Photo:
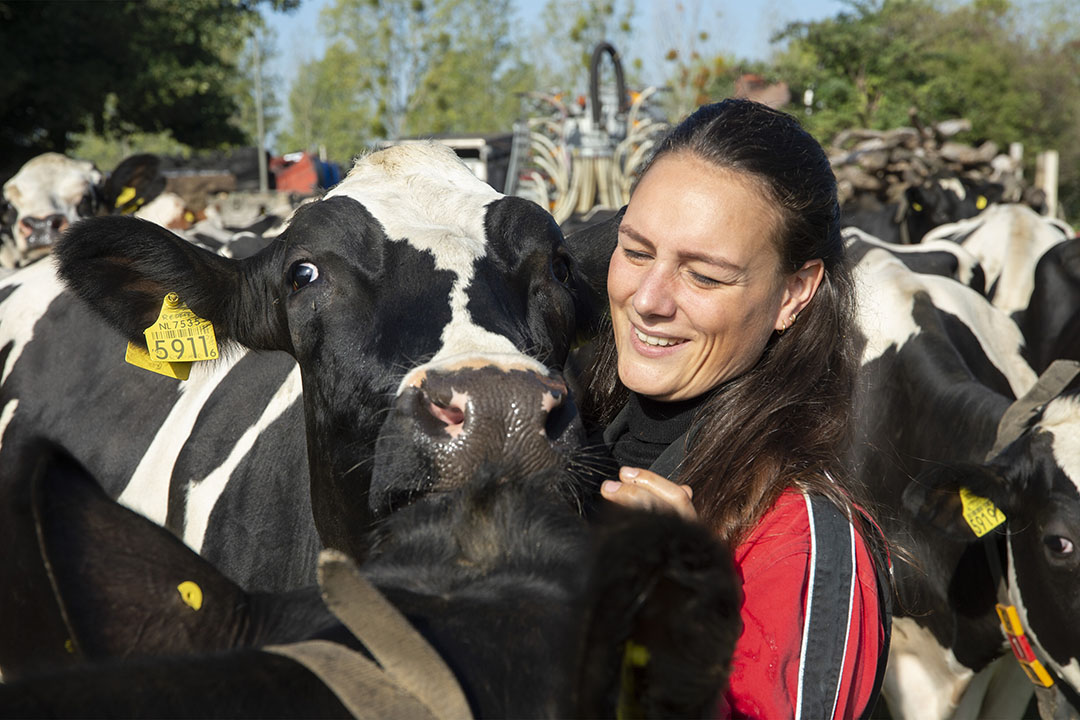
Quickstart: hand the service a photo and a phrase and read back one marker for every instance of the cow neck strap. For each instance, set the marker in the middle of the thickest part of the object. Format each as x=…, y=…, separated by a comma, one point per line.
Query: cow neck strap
x=1016, y=418
x=413, y=680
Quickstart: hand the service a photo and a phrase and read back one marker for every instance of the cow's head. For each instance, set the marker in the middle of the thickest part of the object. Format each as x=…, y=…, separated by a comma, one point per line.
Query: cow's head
x=49, y=193
x=1035, y=482
x=429, y=314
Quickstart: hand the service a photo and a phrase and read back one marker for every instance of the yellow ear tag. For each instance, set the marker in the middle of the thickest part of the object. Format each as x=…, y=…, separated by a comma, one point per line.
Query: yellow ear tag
x=69, y=646
x=140, y=358
x=191, y=594
x=125, y=196
x=981, y=514
x=635, y=659
x=980, y=202
x=179, y=335
x=916, y=207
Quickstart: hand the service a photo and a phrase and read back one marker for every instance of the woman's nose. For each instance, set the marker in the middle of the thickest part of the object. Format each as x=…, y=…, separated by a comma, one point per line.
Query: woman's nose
x=654, y=296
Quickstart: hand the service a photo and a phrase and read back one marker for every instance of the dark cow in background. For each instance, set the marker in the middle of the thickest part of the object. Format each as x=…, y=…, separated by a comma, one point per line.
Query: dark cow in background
x=940, y=367
x=531, y=610
x=920, y=209
x=1031, y=274
x=399, y=303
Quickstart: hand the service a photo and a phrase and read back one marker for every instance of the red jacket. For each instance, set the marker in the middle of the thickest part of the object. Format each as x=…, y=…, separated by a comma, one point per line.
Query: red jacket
x=787, y=665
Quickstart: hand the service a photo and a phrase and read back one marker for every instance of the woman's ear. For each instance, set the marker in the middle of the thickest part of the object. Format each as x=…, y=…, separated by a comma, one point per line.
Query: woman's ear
x=799, y=289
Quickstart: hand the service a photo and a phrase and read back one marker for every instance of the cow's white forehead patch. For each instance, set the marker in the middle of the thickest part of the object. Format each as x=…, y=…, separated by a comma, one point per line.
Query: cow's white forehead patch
x=423, y=194
x=50, y=183
x=1061, y=418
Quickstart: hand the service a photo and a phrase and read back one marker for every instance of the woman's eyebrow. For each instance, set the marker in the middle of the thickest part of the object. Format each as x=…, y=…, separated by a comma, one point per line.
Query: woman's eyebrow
x=699, y=256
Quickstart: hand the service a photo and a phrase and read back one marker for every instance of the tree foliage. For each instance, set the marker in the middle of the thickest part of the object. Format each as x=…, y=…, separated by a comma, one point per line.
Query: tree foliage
x=1013, y=71
x=407, y=67
x=569, y=31
x=162, y=66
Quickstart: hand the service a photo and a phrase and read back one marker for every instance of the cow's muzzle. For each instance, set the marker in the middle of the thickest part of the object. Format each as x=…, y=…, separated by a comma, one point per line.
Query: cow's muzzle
x=42, y=231
x=448, y=424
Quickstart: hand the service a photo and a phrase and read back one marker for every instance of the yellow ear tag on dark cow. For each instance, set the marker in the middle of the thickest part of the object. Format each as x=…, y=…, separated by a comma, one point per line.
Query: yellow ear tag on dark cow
x=126, y=195
x=191, y=594
x=981, y=515
x=980, y=202
x=179, y=335
x=916, y=207
x=140, y=358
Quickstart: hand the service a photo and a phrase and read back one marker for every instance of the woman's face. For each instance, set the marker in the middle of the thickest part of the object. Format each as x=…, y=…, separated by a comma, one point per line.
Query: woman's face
x=695, y=283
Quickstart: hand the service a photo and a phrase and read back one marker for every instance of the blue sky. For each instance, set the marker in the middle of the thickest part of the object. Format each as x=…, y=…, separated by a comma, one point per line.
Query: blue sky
x=738, y=27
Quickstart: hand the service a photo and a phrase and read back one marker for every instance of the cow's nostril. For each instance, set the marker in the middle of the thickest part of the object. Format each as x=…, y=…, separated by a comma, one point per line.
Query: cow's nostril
x=56, y=222
x=558, y=419
x=449, y=415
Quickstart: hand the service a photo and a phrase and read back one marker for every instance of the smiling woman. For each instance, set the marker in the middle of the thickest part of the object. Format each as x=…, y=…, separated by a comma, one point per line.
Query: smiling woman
x=725, y=385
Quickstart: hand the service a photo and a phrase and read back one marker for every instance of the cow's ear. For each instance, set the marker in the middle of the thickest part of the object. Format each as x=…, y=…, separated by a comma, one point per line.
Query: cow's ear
x=123, y=267
x=663, y=618
x=591, y=248
x=125, y=585
x=960, y=501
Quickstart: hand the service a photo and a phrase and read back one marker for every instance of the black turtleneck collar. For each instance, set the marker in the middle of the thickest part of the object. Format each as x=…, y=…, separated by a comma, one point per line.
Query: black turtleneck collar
x=650, y=427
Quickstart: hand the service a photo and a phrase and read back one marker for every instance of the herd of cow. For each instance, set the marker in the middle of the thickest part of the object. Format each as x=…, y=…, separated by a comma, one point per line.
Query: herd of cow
x=394, y=384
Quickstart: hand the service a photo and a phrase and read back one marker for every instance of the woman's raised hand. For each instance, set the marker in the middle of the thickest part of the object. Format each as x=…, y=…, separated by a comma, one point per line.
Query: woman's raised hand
x=645, y=489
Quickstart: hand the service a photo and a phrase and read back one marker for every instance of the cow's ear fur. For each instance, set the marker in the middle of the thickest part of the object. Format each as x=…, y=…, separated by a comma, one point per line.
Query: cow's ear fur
x=664, y=607
x=591, y=248
x=933, y=498
x=120, y=580
x=123, y=267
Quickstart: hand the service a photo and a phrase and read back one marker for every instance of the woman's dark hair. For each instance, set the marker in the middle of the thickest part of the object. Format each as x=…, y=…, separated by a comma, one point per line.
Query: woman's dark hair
x=786, y=422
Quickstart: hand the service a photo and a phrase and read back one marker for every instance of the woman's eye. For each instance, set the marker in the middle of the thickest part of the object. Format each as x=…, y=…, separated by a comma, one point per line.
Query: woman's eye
x=1058, y=545
x=635, y=255
x=704, y=280
x=560, y=270
x=301, y=273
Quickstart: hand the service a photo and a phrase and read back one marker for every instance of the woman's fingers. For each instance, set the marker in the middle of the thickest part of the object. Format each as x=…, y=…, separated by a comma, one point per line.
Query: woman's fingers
x=645, y=489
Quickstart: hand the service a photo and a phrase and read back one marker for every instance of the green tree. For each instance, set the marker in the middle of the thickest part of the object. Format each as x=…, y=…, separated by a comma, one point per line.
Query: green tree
x=1012, y=70
x=163, y=65
x=407, y=67
x=570, y=30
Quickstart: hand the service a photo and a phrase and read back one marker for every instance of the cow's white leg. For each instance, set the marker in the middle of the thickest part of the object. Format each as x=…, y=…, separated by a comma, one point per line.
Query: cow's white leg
x=923, y=681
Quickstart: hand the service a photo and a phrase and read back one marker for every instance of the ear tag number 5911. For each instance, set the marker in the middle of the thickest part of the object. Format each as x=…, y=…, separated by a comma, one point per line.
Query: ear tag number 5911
x=179, y=335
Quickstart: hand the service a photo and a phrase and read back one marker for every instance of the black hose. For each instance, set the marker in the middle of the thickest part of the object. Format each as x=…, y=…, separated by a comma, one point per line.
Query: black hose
x=594, y=80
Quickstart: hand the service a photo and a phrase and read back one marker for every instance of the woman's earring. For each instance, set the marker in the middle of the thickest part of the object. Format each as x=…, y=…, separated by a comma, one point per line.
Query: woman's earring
x=788, y=323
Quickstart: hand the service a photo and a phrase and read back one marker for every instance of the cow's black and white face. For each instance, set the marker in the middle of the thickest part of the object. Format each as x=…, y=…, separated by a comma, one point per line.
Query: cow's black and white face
x=1042, y=470
x=430, y=317
x=48, y=193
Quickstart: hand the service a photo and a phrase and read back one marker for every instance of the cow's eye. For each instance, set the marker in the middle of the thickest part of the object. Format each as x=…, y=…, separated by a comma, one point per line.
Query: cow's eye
x=560, y=270
x=1058, y=545
x=301, y=273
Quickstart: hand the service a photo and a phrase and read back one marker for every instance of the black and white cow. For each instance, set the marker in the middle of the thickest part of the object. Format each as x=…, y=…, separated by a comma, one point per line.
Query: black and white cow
x=414, y=316
x=921, y=208
x=940, y=366
x=934, y=257
x=529, y=607
x=1031, y=274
